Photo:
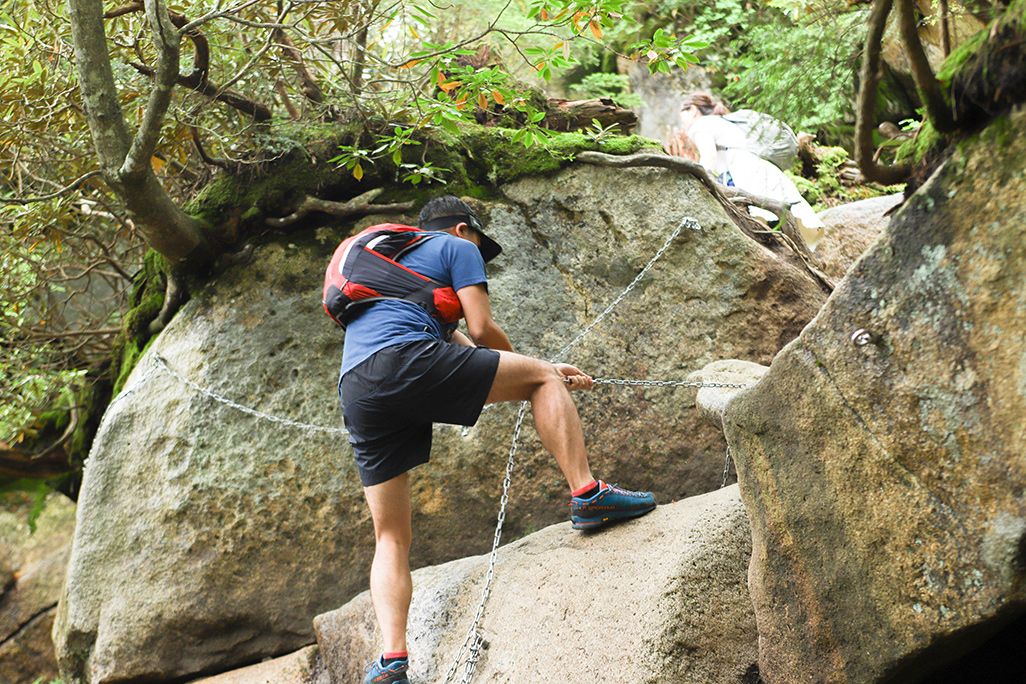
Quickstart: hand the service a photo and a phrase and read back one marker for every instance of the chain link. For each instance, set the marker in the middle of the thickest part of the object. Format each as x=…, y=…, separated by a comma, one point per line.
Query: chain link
x=159, y=362
x=686, y=222
x=726, y=468
x=474, y=641
x=287, y=422
x=668, y=383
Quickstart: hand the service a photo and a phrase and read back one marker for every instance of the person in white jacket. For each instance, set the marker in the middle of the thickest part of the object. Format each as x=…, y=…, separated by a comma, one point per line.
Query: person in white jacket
x=722, y=151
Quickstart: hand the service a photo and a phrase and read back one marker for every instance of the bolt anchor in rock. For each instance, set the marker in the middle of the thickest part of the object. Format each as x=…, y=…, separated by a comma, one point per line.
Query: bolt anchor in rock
x=862, y=337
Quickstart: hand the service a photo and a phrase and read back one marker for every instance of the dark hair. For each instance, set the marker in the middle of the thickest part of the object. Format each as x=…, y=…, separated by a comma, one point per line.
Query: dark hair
x=705, y=103
x=446, y=205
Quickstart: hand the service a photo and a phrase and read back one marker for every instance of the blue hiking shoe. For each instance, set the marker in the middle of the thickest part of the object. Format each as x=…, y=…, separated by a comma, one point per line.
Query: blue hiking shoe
x=609, y=505
x=393, y=673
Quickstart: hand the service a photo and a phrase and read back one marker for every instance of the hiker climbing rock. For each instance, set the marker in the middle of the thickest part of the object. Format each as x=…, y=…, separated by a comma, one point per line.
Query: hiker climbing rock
x=746, y=149
x=405, y=366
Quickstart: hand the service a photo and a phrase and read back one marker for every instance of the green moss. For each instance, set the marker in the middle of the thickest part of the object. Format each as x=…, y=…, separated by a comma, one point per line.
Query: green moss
x=959, y=57
x=147, y=300
x=476, y=161
x=493, y=157
x=919, y=147
x=250, y=196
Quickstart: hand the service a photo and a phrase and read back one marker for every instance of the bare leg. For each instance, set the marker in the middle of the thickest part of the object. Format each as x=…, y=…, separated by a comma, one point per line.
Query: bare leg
x=391, y=585
x=522, y=378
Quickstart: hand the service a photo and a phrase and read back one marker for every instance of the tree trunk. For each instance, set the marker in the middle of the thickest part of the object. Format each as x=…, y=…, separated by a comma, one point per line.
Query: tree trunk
x=570, y=115
x=124, y=159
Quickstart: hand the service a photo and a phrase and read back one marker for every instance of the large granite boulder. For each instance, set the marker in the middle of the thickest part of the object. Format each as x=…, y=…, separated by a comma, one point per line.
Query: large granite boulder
x=209, y=537
x=302, y=667
x=851, y=229
x=29, y=589
x=724, y=380
x=884, y=470
x=661, y=598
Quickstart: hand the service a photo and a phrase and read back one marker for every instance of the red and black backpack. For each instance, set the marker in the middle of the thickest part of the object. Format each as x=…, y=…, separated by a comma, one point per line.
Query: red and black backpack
x=365, y=268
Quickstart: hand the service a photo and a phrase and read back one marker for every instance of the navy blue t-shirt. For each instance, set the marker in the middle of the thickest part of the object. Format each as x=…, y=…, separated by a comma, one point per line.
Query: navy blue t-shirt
x=446, y=259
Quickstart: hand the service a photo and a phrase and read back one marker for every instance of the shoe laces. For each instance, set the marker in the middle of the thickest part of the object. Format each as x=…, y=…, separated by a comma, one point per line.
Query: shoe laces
x=626, y=492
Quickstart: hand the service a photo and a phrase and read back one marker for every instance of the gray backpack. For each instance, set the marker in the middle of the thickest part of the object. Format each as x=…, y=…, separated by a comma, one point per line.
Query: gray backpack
x=766, y=137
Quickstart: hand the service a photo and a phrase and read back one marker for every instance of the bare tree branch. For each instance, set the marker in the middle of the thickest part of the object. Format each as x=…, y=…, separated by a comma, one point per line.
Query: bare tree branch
x=308, y=84
x=937, y=108
x=74, y=185
x=865, y=112
x=207, y=159
x=174, y=296
x=257, y=110
x=73, y=333
x=201, y=47
x=787, y=223
x=167, y=42
x=945, y=26
x=357, y=206
x=283, y=93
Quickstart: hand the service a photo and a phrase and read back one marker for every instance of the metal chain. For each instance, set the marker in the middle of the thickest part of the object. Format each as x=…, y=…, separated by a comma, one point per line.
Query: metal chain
x=288, y=422
x=473, y=642
x=159, y=362
x=688, y=222
x=668, y=383
x=726, y=468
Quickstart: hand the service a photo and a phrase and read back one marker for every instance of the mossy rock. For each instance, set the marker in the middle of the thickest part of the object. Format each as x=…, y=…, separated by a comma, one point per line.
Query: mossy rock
x=475, y=162
x=146, y=302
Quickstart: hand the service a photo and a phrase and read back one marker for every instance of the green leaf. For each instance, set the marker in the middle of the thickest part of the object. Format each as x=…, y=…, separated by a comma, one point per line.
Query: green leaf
x=449, y=126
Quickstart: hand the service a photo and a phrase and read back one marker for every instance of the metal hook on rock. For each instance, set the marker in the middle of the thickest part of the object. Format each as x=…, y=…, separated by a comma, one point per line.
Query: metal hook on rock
x=862, y=337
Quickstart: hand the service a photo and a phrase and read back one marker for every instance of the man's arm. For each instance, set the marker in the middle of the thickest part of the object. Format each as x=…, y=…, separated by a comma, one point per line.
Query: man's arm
x=459, y=338
x=478, y=311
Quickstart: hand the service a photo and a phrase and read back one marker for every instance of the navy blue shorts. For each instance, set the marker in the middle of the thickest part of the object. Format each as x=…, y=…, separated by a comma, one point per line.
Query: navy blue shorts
x=390, y=400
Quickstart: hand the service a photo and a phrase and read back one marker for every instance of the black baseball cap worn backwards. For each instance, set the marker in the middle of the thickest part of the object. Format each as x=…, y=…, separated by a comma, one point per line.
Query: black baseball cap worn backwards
x=489, y=247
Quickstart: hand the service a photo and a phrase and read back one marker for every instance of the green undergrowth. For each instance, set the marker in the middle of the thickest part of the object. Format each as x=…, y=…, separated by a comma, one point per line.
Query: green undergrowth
x=83, y=402
x=827, y=189
x=919, y=147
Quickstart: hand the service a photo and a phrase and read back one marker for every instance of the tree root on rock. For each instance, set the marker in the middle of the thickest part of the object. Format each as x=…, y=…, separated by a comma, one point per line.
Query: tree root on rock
x=734, y=201
x=357, y=206
x=174, y=297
